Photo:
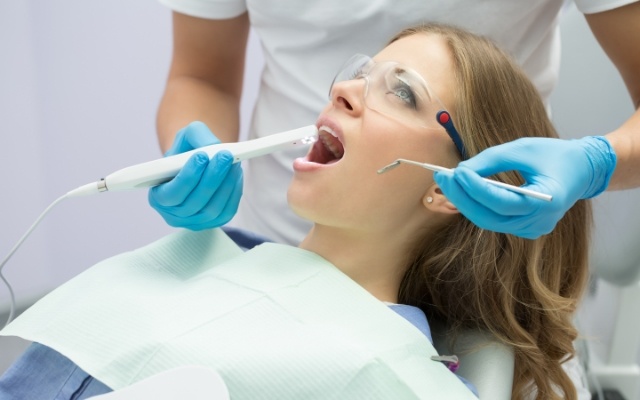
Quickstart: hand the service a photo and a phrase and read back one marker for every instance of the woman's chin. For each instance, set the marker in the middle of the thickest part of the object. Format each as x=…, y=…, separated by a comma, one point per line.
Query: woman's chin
x=298, y=202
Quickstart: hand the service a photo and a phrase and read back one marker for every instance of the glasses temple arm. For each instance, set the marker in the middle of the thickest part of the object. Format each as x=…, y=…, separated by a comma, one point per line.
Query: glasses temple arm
x=445, y=120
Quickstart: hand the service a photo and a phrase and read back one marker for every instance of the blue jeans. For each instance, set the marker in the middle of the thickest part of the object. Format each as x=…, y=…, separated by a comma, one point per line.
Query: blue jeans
x=43, y=373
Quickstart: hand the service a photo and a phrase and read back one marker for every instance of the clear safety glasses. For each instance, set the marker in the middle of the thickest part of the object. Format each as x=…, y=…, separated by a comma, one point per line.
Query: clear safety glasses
x=398, y=92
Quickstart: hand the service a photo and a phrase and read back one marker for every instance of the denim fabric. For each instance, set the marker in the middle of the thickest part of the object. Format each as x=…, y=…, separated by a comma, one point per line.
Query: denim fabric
x=415, y=316
x=42, y=373
x=244, y=239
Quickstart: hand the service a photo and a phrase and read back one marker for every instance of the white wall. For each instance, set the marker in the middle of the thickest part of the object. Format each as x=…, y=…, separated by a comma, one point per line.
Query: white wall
x=79, y=84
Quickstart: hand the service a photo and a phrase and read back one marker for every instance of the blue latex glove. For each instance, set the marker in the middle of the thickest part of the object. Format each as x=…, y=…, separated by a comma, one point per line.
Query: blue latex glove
x=205, y=193
x=569, y=170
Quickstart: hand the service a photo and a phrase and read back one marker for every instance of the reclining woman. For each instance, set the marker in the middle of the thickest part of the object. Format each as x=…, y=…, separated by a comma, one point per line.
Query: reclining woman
x=325, y=327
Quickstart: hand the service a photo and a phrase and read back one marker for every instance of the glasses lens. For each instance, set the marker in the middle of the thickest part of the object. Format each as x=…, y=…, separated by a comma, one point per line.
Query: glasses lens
x=393, y=90
x=358, y=66
x=401, y=93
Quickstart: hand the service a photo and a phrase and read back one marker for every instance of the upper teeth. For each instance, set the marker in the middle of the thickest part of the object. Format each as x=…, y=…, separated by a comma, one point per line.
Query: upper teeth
x=333, y=145
x=329, y=130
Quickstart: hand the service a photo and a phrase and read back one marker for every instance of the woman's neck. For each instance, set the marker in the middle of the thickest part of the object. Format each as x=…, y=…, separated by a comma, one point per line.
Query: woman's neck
x=375, y=262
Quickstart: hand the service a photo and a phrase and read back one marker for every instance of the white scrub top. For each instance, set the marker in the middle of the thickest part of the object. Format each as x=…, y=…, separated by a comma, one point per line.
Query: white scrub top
x=306, y=42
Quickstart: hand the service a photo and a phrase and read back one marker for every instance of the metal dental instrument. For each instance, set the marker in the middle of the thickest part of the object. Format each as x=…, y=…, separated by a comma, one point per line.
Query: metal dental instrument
x=438, y=168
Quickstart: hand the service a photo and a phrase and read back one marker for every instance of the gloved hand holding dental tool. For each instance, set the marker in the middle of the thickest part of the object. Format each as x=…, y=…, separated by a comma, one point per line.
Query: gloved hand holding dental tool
x=183, y=202
x=569, y=170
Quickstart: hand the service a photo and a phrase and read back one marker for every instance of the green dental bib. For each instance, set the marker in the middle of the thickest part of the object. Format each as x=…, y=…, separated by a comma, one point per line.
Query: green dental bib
x=276, y=322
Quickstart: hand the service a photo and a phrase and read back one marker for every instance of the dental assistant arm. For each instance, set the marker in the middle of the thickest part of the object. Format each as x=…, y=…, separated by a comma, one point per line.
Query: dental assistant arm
x=569, y=170
x=618, y=32
x=205, y=78
x=204, y=84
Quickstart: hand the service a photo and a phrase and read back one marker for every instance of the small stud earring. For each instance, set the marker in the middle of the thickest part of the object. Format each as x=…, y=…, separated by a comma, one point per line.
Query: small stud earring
x=429, y=199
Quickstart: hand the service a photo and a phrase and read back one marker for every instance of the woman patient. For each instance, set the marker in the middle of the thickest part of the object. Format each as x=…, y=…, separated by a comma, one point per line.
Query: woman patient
x=393, y=234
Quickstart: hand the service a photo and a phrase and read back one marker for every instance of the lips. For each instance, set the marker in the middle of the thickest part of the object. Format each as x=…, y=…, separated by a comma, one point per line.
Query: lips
x=328, y=149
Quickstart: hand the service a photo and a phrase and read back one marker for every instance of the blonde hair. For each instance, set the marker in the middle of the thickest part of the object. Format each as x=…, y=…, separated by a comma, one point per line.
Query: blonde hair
x=522, y=291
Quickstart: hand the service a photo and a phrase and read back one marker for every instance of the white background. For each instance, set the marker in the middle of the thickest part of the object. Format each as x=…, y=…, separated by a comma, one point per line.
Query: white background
x=79, y=86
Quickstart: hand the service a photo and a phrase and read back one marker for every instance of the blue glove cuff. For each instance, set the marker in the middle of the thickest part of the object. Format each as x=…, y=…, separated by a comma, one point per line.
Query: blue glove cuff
x=603, y=162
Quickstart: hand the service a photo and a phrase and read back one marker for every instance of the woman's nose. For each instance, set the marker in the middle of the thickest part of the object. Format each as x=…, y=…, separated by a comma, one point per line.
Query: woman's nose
x=349, y=95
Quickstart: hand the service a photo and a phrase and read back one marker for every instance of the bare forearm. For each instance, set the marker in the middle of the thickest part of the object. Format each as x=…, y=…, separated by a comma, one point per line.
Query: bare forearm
x=618, y=32
x=189, y=99
x=626, y=143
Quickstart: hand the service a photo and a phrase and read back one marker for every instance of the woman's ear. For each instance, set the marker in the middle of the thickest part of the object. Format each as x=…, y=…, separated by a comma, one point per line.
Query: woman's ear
x=435, y=201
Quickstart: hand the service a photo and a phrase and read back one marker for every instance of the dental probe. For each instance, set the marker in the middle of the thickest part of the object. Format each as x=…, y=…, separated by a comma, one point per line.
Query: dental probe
x=517, y=189
x=158, y=171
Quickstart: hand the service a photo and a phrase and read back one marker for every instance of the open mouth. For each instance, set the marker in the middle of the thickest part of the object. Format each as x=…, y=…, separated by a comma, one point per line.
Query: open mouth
x=328, y=149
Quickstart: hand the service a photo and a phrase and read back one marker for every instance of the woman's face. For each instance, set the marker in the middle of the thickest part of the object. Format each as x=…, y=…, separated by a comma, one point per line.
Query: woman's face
x=347, y=191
